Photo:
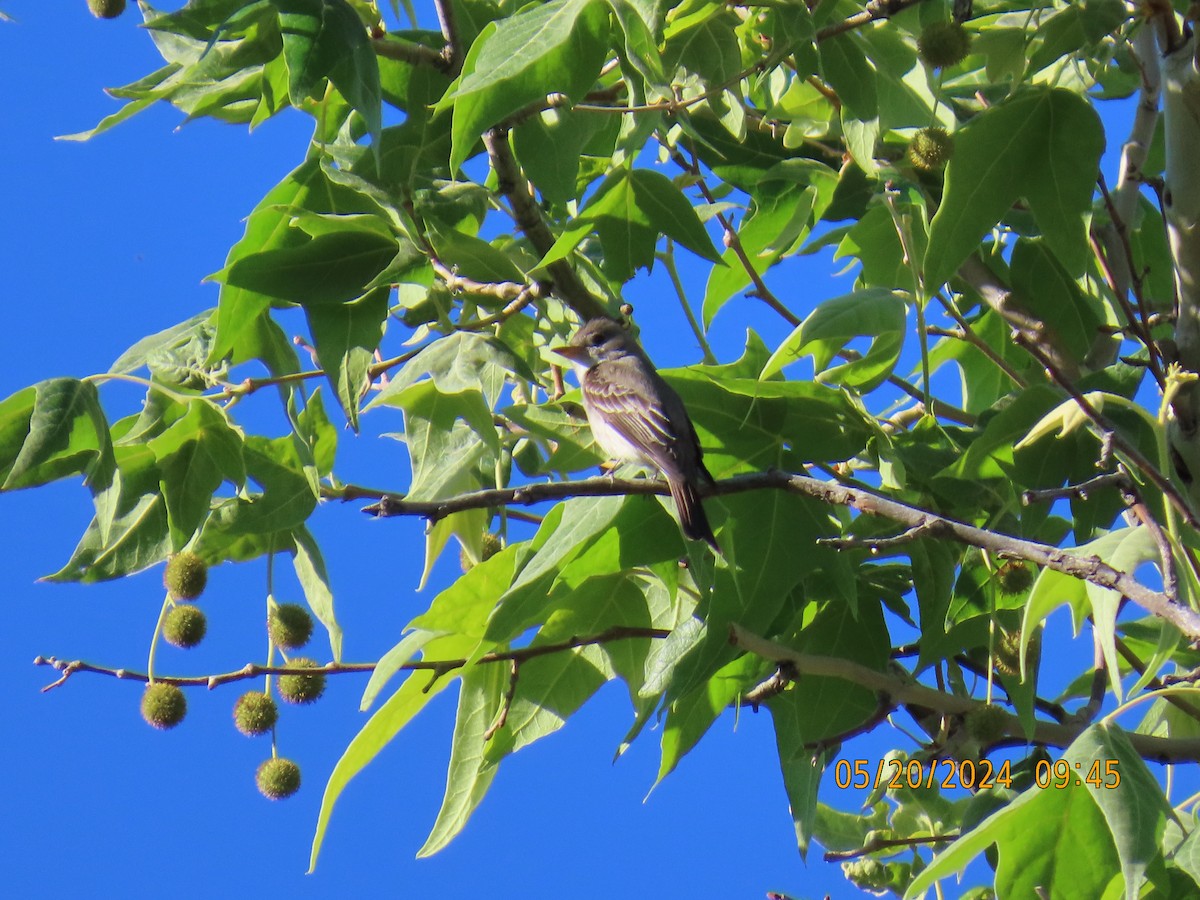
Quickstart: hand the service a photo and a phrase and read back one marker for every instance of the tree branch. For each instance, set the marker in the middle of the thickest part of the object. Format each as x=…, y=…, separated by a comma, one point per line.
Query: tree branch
x=528, y=217
x=876, y=9
x=437, y=667
x=903, y=691
x=1091, y=568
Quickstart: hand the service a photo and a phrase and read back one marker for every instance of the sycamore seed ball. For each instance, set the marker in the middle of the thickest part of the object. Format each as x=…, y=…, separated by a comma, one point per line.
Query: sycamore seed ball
x=255, y=713
x=1015, y=577
x=490, y=547
x=163, y=705
x=1008, y=653
x=184, y=627
x=930, y=148
x=302, y=688
x=106, y=9
x=986, y=724
x=186, y=576
x=278, y=778
x=290, y=626
x=943, y=44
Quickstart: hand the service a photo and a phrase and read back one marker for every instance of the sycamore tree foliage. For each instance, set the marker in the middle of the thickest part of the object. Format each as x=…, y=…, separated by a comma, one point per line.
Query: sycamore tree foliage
x=891, y=540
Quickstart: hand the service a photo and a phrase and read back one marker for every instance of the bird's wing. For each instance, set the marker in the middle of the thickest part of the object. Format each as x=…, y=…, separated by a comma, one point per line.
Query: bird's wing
x=628, y=400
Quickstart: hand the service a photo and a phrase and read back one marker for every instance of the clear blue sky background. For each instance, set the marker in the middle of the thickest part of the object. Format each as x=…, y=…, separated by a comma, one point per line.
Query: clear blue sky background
x=107, y=241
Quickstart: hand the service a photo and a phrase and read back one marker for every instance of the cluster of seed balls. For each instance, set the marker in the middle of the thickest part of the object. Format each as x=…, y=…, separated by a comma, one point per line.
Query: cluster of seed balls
x=290, y=627
x=940, y=45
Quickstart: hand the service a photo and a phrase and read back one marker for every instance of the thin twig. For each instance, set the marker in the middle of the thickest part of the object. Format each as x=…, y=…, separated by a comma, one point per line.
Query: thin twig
x=437, y=667
x=930, y=528
x=876, y=9
x=1108, y=431
x=506, y=703
x=877, y=843
x=734, y=242
x=1076, y=491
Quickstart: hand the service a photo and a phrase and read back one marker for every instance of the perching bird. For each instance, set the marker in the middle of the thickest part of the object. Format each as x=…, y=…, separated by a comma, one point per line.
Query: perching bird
x=637, y=417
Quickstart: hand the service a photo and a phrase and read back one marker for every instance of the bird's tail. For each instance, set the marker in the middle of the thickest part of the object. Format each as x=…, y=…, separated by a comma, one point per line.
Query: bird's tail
x=691, y=512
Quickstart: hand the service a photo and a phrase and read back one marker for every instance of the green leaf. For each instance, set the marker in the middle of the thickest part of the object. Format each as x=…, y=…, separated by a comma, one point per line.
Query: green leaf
x=379, y=731
x=326, y=39
x=876, y=313
x=286, y=499
x=167, y=341
x=756, y=584
x=787, y=199
x=451, y=439
x=551, y=47
x=314, y=580
x=346, y=336
x=1043, y=145
x=1124, y=550
x=469, y=775
x=1054, y=839
x=129, y=531
x=244, y=328
x=1134, y=807
x=67, y=434
x=1052, y=296
x=331, y=268
x=690, y=716
x=631, y=210
x=747, y=424
x=458, y=363
x=195, y=454
x=802, y=767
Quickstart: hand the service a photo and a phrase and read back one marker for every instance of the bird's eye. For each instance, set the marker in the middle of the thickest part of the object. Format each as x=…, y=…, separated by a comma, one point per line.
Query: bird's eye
x=597, y=339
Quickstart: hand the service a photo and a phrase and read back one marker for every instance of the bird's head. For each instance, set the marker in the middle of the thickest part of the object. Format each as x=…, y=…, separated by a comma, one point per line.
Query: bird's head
x=597, y=341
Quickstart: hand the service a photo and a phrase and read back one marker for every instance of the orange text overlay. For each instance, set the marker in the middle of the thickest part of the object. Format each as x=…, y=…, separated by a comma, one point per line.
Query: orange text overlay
x=970, y=774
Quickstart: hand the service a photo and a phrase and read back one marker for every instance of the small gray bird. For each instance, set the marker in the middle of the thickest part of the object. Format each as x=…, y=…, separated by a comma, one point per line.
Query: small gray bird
x=637, y=417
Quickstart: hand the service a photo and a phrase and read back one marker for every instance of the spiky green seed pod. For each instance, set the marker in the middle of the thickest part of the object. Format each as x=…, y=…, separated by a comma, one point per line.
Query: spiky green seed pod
x=186, y=576
x=106, y=9
x=302, y=688
x=1008, y=653
x=930, y=148
x=290, y=626
x=163, y=705
x=278, y=778
x=185, y=626
x=1014, y=577
x=986, y=724
x=255, y=713
x=943, y=44
x=490, y=547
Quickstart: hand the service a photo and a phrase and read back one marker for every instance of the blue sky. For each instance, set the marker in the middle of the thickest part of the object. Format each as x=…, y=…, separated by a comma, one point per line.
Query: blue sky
x=107, y=241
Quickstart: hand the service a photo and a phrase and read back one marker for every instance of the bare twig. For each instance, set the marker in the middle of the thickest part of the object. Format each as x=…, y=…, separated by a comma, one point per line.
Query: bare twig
x=1108, y=432
x=929, y=528
x=453, y=51
x=506, y=703
x=409, y=52
x=437, y=667
x=734, y=242
x=1076, y=491
x=876, y=9
x=877, y=843
x=528, y=217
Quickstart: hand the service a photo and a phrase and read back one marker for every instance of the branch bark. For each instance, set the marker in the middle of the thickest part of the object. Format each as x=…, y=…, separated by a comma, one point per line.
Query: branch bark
x=1090, y=569
x=902, y=691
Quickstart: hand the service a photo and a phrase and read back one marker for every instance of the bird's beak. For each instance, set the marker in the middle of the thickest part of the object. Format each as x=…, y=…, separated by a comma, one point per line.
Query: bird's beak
x=573, y=353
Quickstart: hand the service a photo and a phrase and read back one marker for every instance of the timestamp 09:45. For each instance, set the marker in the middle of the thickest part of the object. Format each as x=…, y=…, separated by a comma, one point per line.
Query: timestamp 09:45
x=970, y=774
